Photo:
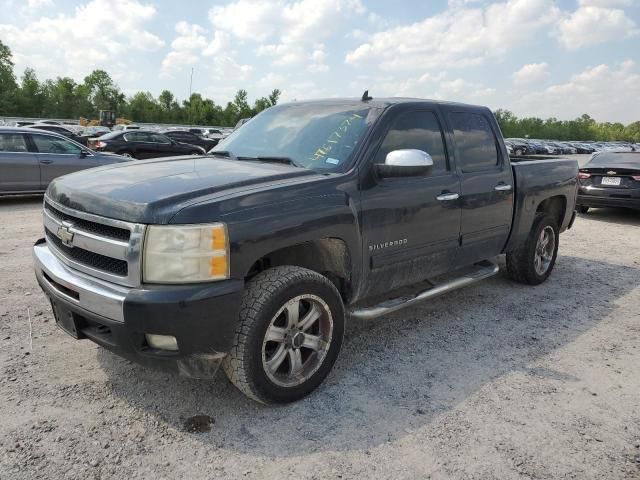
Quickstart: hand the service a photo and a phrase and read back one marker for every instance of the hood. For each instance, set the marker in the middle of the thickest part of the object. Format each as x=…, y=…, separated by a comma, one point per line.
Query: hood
x=153, y=191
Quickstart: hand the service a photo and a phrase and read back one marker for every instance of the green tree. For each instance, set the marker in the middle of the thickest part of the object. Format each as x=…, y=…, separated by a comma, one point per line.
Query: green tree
x=8, y=85
x=102, y=92
x=30, y=95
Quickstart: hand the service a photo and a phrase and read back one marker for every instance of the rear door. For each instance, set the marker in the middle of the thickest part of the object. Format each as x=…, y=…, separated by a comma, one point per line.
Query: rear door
x=58, y=156
x=19, y=168
x=139, y=143
x=486, y=184
x=163, y=145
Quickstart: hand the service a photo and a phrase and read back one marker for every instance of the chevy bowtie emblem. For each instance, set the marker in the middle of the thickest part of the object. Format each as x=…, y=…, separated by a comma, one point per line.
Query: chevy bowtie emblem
x=611, y=172
x=65, y=234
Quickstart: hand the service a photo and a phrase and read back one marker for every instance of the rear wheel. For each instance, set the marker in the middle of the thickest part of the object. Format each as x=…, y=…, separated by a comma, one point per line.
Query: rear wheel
x=533, y=262
x=582, y=209
x=288, y=336
x=127, y=154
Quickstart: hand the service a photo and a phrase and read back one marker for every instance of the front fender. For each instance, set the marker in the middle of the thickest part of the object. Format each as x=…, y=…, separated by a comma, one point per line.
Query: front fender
x=258, y=231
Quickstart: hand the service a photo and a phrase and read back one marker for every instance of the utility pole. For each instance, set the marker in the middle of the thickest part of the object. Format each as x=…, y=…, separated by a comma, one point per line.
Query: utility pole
x=190, y=87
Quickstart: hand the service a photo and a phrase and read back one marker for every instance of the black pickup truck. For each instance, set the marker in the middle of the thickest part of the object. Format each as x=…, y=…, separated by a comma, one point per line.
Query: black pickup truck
x=253, y=257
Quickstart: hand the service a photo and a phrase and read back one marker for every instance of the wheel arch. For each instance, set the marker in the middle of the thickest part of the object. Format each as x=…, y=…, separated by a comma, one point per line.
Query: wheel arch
x=555, y=206
x=329, y=256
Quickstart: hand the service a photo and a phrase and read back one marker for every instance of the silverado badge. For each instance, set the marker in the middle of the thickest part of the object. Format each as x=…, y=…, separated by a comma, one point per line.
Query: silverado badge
x=65, y=234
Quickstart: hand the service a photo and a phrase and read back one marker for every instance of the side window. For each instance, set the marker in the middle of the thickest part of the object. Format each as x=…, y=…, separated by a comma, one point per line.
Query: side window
x=48, y=144
x=416, y=130
x=12, y=143
x=475, y=143
x=157, y=138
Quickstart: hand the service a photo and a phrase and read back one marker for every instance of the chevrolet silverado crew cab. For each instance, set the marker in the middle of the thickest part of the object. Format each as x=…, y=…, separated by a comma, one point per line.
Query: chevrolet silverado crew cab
x=253, y=257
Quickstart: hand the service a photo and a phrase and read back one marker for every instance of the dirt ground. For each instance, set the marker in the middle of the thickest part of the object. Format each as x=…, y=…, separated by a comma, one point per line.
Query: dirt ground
x=497, y=380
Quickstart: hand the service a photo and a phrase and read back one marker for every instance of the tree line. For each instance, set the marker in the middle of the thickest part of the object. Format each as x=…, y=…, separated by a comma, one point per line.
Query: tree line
x=582, y=128
x=63, y=97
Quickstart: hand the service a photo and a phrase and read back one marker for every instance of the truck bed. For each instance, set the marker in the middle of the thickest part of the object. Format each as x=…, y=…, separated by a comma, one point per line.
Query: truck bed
x=537, y=181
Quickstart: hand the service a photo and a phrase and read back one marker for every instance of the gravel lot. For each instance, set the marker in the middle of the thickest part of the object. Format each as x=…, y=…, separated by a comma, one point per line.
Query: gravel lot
x=495, y=381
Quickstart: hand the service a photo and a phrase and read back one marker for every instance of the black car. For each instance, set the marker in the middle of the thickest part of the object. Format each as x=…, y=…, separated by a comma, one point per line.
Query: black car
x=610, y=179
x=142, y=144
x=182, y=136
x=253, y=257
x=60, y=130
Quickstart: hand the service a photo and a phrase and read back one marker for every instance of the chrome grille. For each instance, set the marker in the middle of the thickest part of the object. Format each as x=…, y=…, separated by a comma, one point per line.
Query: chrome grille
x=102, y=247
x=92, y=227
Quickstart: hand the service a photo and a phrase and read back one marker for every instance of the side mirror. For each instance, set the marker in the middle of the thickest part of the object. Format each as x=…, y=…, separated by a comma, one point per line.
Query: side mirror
x=83, y=154
x=405, y=163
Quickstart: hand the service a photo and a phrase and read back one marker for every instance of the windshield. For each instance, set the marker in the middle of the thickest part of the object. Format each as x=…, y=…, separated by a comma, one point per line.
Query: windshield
x=319, y=136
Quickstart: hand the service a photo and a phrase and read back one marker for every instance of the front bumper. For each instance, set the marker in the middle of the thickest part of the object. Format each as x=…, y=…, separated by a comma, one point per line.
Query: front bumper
x=201, y=317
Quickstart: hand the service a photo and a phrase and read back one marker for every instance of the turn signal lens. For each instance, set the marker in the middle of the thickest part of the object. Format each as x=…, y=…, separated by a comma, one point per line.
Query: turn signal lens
x=584, y=175
x=636, y=177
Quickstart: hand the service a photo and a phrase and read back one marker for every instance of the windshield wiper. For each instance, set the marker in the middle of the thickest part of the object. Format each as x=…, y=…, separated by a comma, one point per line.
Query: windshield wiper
x=274, y=159
x=223, y=153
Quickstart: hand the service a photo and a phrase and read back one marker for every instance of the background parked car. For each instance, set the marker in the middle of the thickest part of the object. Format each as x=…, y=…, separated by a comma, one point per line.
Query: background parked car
x=30, y=159
x=190, y=138
x=142, y=144
x=122, y=127
x=610, y=179
x=59, y=129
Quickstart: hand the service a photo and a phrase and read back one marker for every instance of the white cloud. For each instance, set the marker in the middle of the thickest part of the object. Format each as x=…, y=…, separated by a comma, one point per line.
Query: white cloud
x=531, y=73
x=94, y=36
x=590, y=25
x=605, y=92
x=286, y=30
x=458, y=37
x=606, y=3
x=185, y=48
x=35, y=4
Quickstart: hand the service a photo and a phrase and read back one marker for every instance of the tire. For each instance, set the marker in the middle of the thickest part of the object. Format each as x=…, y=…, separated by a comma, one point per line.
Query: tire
x=261, y=367
x=582, y=209
x=522, y=264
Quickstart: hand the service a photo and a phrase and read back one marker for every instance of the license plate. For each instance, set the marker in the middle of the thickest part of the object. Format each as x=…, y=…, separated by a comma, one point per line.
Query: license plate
x=64, y=320
x=610, y=181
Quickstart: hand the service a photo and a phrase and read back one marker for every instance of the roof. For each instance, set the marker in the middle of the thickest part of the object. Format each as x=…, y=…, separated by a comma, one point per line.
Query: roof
x=384, y=102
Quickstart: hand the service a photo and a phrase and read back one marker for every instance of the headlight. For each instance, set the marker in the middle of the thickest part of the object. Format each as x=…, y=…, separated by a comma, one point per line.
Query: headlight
x=186, y=253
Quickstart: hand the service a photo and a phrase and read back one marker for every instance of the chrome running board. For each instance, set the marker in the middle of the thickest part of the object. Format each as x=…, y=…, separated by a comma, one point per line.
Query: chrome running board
x=482, y=270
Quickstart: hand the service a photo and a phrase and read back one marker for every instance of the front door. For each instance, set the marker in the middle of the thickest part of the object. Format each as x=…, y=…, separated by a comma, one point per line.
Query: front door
x=58, y=156
x=487, y=185
x=410, y=225
x=19, y=169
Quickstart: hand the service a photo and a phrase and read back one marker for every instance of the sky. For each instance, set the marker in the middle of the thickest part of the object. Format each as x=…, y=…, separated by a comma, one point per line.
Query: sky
x=544, y=58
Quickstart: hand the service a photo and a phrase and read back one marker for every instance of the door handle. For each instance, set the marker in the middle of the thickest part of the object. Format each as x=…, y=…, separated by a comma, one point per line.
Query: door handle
x=502, y=188
x=46, y=162
x=447, y=196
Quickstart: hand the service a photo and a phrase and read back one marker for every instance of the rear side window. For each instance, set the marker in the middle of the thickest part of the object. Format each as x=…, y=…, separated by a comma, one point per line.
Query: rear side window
x=12, y=143
x=158, y=138
x=476, y=147
x=48, y=144
x=416, y=130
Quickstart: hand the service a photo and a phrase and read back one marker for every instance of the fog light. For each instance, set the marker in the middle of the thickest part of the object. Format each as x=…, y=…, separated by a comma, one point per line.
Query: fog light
x=162, y=342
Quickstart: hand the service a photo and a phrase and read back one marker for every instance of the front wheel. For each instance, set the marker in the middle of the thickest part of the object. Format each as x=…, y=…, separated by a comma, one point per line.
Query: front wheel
x=288, y=337
x=533, y=262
